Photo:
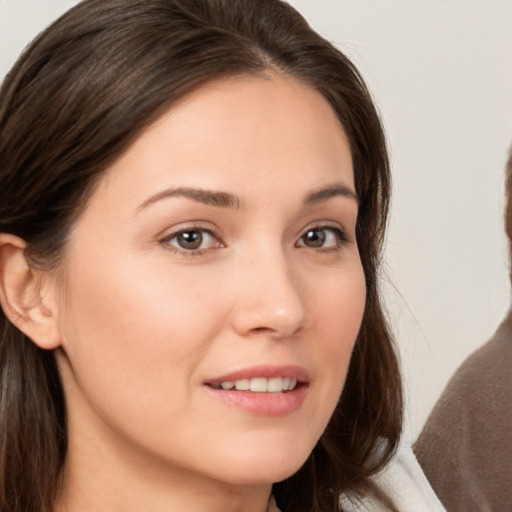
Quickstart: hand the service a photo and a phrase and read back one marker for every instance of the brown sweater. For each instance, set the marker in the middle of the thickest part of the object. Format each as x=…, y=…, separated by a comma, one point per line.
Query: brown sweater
x=465, y=448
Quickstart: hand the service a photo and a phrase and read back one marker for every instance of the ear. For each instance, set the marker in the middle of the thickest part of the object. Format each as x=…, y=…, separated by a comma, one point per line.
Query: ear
x=23, y=295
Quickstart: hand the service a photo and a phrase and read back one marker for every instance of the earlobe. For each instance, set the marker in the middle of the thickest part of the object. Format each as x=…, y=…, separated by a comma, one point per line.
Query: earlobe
x=21, y=295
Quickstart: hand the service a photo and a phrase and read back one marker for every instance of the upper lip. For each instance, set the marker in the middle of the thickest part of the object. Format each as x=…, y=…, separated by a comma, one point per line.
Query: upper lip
x=265, y=371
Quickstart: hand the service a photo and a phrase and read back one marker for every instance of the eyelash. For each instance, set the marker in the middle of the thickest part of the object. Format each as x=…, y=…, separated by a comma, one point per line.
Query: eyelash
x=339, y=233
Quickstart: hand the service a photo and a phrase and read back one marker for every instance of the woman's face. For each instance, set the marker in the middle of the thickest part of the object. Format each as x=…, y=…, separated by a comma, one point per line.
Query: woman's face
x=218, y=253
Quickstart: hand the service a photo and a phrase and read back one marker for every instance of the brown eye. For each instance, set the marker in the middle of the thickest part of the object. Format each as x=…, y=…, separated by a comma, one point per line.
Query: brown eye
x=322, y=237
x=189, y=240
x=314, y=238
x=192, y=241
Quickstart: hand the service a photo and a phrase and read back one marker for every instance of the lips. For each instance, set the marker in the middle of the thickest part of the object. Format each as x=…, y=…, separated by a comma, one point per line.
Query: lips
x=262, y=390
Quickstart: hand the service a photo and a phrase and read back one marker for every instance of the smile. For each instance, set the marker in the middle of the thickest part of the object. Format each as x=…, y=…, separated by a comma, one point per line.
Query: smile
x=262, y=390
x=259, y=385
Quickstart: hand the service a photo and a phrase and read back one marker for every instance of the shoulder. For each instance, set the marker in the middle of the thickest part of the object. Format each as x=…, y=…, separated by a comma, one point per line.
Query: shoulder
x=488, y=367
x=465, y=447
x=480, y=390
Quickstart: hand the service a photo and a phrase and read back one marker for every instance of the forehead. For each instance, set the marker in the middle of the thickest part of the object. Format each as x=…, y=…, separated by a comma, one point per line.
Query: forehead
x=238, y=133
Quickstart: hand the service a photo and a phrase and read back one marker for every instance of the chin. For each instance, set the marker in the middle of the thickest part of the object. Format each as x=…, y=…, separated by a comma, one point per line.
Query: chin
x=265, y=467
x=259, y=476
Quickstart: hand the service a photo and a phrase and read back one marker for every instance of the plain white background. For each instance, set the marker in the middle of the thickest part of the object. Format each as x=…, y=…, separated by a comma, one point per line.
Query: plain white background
x=441, y=73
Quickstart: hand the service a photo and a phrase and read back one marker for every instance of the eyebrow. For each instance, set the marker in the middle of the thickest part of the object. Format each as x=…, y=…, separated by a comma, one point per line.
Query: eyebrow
x=332, y=190
x=227, y=200
x=207, y=197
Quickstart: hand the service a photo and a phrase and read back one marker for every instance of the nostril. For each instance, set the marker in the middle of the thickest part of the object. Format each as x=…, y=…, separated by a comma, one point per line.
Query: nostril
x=276, y=331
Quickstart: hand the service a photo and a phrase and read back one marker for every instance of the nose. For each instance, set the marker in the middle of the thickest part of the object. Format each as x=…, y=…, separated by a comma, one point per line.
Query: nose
x=270, y=298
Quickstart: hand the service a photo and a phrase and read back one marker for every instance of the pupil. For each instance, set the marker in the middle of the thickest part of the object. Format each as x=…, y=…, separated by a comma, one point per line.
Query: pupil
x=315, y=238
x=190, y=239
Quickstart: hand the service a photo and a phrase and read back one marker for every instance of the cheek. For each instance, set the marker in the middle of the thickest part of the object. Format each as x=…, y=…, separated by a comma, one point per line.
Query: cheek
x=134, y=339
x=339, y=307
x=338, y=314
x=125, y=298
x=128, y=325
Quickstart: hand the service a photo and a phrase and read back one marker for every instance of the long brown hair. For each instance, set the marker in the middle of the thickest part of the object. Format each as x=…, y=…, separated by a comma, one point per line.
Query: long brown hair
x=74, y=101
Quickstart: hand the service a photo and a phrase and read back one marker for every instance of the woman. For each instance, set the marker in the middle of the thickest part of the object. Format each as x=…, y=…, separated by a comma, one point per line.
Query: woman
x=194, y=197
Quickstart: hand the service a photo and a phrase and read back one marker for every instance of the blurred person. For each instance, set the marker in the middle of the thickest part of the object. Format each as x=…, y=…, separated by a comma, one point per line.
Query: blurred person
x=465, y=447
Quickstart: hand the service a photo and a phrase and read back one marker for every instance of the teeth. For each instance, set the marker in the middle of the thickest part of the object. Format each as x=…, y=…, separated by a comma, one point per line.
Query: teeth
x=242, y=385
x=275, y=385
x=261, y=385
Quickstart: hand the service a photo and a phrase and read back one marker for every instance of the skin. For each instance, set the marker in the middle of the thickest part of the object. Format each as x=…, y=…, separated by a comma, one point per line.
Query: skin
x=143, y=323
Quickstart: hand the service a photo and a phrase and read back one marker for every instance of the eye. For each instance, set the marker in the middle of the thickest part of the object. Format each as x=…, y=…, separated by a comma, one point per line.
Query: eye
x=192, y=240
x=322, y=237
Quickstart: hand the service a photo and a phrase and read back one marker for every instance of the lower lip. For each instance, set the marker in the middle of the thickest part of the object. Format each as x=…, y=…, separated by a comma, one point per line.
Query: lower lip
x=262, y=404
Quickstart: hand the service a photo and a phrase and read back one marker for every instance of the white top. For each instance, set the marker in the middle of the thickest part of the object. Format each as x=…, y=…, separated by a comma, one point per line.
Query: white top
x=404, y=482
